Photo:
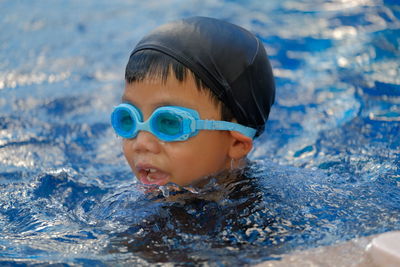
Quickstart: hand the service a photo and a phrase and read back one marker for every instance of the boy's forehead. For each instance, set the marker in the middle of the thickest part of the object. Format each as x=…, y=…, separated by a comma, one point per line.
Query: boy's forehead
x=169, y=91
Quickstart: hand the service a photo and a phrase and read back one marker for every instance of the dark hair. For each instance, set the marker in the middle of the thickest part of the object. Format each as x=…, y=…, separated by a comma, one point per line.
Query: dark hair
x=151, y=63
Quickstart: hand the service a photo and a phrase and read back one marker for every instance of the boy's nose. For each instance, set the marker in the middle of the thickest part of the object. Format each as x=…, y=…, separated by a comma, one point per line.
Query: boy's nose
x=145, y=142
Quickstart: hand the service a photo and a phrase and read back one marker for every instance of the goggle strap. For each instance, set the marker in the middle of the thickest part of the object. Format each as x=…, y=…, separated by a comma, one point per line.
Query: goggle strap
x=225, y=126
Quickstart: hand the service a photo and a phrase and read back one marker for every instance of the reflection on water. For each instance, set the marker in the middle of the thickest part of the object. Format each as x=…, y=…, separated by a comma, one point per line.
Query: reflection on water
x=67, y=195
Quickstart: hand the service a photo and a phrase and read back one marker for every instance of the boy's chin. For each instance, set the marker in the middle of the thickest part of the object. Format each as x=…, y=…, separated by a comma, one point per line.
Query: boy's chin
x=218, y=181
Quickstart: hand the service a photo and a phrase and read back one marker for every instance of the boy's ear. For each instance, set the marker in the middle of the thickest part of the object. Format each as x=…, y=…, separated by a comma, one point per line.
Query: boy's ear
x=241, y=145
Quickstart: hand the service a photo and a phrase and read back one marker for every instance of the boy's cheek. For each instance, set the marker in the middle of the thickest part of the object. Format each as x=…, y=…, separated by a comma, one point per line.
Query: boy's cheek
x=128, y=153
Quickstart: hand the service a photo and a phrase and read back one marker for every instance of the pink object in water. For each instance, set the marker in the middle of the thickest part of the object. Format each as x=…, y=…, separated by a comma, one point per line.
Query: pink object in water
x=385, y=249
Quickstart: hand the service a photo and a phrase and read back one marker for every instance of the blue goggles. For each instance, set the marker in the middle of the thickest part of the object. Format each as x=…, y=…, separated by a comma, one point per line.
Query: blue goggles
x=168, y=123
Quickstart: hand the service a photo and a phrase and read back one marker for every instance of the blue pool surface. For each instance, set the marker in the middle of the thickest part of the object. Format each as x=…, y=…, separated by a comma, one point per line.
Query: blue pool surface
x=325, y=171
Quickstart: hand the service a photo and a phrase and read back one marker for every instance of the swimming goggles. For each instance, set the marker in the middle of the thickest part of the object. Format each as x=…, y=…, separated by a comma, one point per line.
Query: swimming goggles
x=168, y=123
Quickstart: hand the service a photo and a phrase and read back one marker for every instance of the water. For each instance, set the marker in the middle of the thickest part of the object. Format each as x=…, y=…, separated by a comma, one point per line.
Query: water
x=326, y=170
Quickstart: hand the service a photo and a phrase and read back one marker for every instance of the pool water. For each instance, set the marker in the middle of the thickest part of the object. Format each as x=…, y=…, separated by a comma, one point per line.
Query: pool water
x=326, y=170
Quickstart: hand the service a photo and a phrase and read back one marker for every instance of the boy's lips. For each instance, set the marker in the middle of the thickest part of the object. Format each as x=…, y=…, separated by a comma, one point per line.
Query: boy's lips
x=148, y=174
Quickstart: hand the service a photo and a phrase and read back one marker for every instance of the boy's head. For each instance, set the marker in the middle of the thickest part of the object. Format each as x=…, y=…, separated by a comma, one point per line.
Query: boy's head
x=208, y=66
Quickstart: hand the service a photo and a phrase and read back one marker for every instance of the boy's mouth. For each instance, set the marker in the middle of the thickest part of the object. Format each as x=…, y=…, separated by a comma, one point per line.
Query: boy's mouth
x=151, y=175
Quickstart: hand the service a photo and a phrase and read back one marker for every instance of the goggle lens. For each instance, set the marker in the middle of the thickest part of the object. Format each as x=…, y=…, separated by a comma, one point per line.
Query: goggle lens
x=168, y=123
x=125, y=121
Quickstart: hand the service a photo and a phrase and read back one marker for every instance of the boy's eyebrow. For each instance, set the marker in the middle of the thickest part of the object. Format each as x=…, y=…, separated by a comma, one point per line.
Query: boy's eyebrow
x=168, y=103
x=156, y=105
x=123, y=99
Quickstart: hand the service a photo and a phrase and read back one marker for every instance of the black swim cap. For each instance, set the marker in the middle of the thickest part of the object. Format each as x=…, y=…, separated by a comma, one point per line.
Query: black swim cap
x=230, y=60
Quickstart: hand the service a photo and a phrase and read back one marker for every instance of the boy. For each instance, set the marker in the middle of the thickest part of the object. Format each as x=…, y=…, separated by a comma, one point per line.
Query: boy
x=197, y=92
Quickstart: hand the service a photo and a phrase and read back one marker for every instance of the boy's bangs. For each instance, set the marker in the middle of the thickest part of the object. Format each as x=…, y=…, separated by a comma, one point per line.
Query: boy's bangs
x=153, y=64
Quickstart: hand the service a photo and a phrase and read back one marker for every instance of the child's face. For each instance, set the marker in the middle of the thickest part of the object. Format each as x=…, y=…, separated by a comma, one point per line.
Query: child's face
x=157, y=162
